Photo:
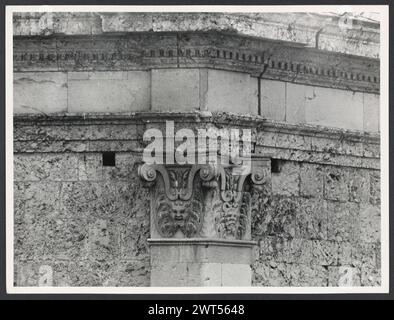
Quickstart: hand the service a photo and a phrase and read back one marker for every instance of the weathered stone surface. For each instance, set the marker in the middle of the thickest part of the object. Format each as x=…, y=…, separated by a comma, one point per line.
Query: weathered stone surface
x=40, y=92
x=273, y=216
x=50, y=167
x=231, y=92
x=374, y=188
x=90, y=167
x=109, y=92
x=236, y=275
x=341, y=220
x=321, y=158
x=371, y=150
x=336, y=184
x=287, y=181
x=324, y=106
x=175, y=89
x=371, y=112
x=358, y=185
x=368, y=224
x=72, y=215
x=370, y=277
x=307, y=276
x=273, y=100
x=125, y=168
x=212, y=274
x=311, y=219
x=344, y=276
x=294, y=27
x=295, y=103
x=89, y=198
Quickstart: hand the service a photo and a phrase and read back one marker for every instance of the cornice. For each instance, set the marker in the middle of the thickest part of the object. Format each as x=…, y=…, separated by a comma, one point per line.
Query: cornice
x=143, y=51
x=197, y=117
x=350, y=33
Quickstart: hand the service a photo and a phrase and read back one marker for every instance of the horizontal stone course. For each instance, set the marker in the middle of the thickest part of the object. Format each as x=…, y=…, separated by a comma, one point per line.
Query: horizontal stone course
x=40, y=92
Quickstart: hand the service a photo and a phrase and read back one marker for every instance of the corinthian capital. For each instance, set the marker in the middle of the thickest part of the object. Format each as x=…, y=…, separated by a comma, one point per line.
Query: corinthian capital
x=203, y=201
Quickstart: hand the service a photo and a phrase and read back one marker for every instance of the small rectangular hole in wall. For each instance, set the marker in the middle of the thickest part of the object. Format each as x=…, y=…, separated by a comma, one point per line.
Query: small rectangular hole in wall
x=109, y=159
x=275, y=165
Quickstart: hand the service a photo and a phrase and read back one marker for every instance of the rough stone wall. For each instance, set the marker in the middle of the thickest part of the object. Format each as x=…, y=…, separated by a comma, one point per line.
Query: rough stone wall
x=77, y=222
x=315, y=224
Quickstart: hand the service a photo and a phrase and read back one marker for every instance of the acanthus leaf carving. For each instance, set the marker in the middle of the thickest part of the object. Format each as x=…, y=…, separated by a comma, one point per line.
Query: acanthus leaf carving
x=181, y=198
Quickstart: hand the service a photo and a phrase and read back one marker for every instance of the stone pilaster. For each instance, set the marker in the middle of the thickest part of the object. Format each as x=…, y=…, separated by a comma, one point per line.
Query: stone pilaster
x=201, y=222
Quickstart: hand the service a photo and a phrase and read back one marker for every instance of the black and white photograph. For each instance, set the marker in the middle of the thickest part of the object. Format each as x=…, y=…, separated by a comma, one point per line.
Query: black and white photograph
x=197, y=149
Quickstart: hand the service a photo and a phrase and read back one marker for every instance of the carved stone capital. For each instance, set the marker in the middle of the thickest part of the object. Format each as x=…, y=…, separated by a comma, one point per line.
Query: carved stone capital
x=203, y=201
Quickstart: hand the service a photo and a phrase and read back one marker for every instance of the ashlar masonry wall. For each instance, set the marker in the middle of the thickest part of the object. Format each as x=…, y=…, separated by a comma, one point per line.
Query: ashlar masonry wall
x=88, y=224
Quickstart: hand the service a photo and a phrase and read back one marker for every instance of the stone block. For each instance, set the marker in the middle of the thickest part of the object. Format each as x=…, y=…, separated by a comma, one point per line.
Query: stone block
x=90, y=199
x=312, y=219
x=66, y=239
x=50, y=167
x=273, y=100
x=336, y=183
x=233, y=92
x=287, y=181
x=300, y=252
x=341, y=220
x=371, y=150
x=273, y=249
x=40, y=92
x=175, y=89
x=260, y=274
x=27, y=274
x=295, y=102
x=359, y=185
x=90, y=167
x=311, y=180
x=370, y=277
x=368, y=224
x=371, y=112
x=344, y=276
x=293, y=141
x=324, y=106
x=124, y=169
x=324, y=253
x=279, y=275
x=374, y=188
x=236, y=275
x=276, y=217
x=112, y=132
x=103, y=92
x=307, y=276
